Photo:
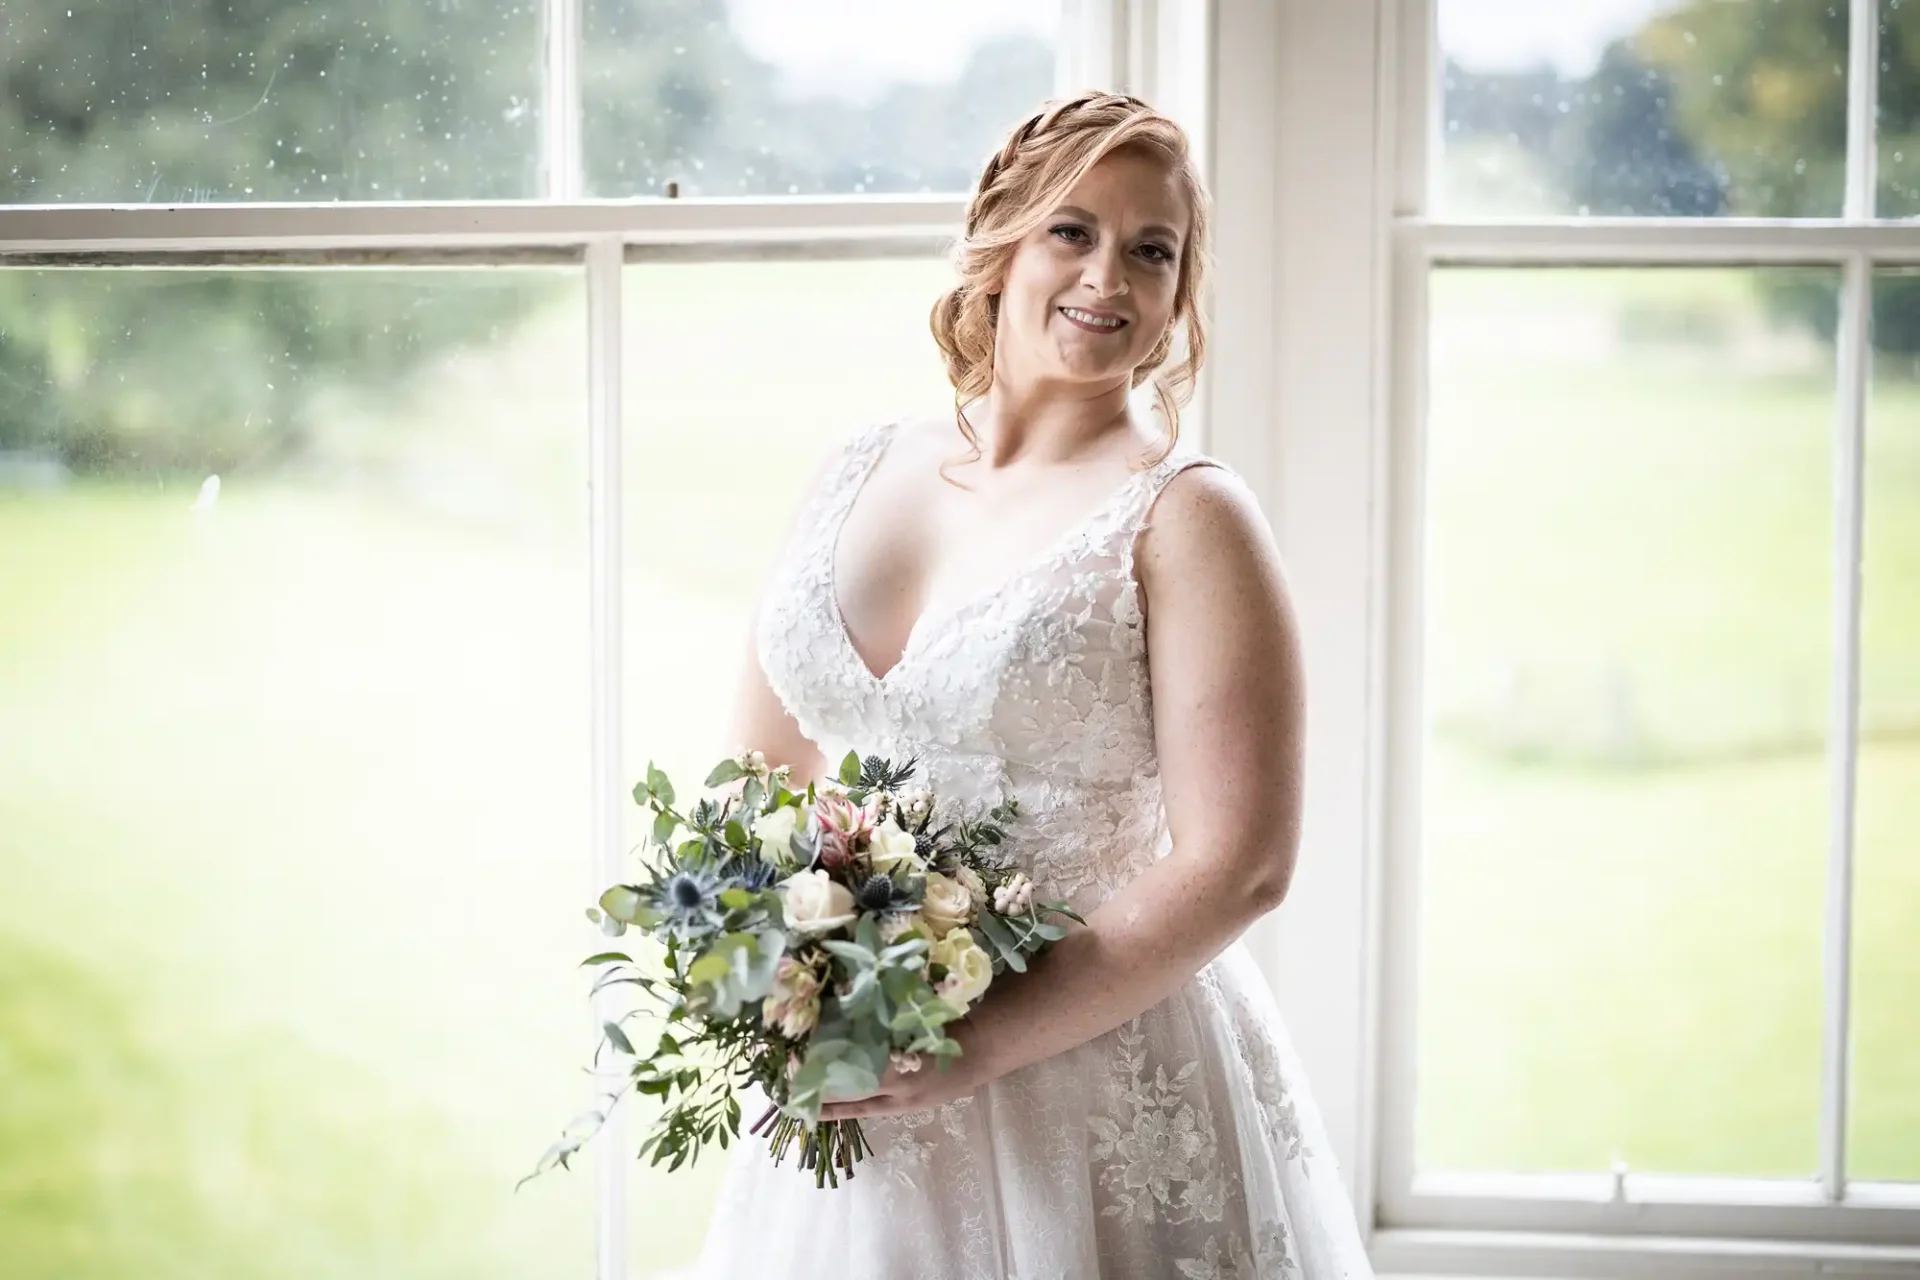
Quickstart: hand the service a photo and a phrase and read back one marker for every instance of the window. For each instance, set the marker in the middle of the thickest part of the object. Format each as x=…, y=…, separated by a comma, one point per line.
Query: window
x=368, y=368
x=1647, y=774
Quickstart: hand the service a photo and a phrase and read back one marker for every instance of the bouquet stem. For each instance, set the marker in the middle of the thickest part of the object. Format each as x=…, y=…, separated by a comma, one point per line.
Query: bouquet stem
x=829, y=1149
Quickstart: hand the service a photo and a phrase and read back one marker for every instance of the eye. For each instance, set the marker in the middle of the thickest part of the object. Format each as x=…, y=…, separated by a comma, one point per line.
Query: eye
x=1157, y=253
x=1068, y=231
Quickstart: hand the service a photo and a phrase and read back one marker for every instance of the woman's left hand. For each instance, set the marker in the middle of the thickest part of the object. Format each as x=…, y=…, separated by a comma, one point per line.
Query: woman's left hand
x=902, y=1092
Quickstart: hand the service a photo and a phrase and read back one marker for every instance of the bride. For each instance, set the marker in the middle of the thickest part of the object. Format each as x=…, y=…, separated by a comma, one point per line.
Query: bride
x=1065, y=605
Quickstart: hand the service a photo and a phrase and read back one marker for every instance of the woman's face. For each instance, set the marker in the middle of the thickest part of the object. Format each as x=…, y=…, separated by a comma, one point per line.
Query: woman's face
x=1090, y=291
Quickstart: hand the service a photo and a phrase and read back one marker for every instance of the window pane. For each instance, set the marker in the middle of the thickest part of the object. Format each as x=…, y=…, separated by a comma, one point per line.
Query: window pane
x=293, y=776
x=1625, y=824
x=723, y=434
x=1885, y=1141
x=777, y=98
x=1670, y=108
x=1899, y=123
x=188, y=102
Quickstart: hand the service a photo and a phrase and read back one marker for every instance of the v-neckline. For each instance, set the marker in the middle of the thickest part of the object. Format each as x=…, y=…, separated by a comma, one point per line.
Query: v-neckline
x=940, y=613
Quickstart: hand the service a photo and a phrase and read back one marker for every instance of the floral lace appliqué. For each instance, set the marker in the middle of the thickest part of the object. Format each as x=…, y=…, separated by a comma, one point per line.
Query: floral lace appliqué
x=1161, y=1156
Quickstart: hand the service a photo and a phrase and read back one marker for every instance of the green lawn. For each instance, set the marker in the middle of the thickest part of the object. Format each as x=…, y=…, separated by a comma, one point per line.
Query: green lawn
x=1628, y=687
x=292, y=800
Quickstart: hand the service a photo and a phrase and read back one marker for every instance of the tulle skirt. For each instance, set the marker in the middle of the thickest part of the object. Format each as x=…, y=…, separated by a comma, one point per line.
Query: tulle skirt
x=1184, y=1143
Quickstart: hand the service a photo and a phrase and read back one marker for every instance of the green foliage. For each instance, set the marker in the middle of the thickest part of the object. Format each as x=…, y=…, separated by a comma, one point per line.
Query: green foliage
x=1714, y=107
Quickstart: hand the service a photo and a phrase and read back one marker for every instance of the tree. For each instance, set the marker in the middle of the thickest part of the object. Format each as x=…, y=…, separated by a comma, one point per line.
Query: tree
x=1620, y=152
x=1761, y=87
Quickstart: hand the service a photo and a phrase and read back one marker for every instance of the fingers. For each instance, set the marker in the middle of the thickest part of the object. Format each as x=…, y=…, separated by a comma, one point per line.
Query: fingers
x=870, y=1108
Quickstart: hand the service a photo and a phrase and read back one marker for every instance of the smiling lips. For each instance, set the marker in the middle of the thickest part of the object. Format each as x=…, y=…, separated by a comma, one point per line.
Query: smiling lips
x=1094, y=321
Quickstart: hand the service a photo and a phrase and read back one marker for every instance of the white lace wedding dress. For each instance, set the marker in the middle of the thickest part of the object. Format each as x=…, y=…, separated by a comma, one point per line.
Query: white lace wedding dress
x=1183, y=1144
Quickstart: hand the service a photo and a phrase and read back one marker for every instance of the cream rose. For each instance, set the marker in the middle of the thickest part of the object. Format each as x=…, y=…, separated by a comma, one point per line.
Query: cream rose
x=813, y=903
x=947, y=905
x=892, y=851
x=969, y=969
x=776, y=831
x=969, y=879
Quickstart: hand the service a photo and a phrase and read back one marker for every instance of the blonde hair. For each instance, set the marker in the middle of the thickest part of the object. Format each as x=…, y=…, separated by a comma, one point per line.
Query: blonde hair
x=1022, y=184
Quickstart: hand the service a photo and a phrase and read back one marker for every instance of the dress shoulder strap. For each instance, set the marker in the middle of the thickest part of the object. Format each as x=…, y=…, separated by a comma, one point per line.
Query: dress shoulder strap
x=842, y=477
x=1155, y=479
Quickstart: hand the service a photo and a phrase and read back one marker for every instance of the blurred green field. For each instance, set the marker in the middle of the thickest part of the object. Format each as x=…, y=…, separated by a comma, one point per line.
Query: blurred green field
x=292, y=799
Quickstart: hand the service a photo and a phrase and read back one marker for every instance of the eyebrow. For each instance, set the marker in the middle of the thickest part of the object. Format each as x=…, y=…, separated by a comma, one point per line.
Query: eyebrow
x=1152, y=228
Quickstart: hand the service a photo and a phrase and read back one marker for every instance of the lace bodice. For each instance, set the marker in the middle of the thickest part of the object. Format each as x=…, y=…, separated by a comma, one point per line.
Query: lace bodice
x=1036, y=690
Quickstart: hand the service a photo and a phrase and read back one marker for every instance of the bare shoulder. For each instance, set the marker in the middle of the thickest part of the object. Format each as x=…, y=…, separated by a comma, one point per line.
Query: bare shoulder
x=1207, y=525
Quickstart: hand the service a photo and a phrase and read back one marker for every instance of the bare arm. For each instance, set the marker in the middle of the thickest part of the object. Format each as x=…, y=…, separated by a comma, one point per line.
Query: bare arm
x=1229, y=712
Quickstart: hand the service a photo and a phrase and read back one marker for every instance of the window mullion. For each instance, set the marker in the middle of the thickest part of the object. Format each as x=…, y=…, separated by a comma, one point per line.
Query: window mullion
x=1863, y=96
x=562, y=152
x=1142, y=18
x=1411, y=55
x=1093, y=46
x=1855, y=347
x=605, y=273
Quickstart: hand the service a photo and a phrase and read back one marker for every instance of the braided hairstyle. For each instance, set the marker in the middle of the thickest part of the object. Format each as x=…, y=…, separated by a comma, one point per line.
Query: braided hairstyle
x=1022, y=184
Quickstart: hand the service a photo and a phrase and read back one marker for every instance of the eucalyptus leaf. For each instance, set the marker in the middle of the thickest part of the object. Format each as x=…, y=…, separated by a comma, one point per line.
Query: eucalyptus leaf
x=850, y=1080
x=618, y=1038
x=659, y=784
x=736, y=834
x=724, y=772
x=663, y=828
x=607, y=957
x=856, y=956
x=997, y=932
x=850, y=768
x=711, y=967
x=621, y=902
x=736, y=899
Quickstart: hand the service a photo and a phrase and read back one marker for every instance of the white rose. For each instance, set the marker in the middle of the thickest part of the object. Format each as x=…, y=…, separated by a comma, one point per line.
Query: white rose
x=969, y=969
x=947, y=904
x=776, y=831
x=815, y=903
x=892, y=851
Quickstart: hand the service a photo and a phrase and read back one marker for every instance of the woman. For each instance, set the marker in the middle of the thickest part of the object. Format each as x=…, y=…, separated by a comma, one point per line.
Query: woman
x=1078, y=611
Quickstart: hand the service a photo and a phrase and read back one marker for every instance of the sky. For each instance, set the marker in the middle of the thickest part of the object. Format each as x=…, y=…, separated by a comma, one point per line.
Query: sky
x=1493, y=35
x=854, y=48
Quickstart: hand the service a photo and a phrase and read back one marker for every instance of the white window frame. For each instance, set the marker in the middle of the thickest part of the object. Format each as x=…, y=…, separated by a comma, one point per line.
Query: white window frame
x=1324, y=124
x=1159, y=49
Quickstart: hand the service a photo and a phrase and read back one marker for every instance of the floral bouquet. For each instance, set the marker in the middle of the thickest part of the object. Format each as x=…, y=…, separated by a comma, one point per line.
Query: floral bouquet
x=811, y=939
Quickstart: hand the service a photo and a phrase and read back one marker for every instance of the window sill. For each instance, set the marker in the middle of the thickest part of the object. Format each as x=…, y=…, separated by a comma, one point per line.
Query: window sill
x=1423, y=1254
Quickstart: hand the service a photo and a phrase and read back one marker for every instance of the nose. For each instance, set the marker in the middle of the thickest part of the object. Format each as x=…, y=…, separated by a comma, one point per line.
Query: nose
x=1105, y=273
